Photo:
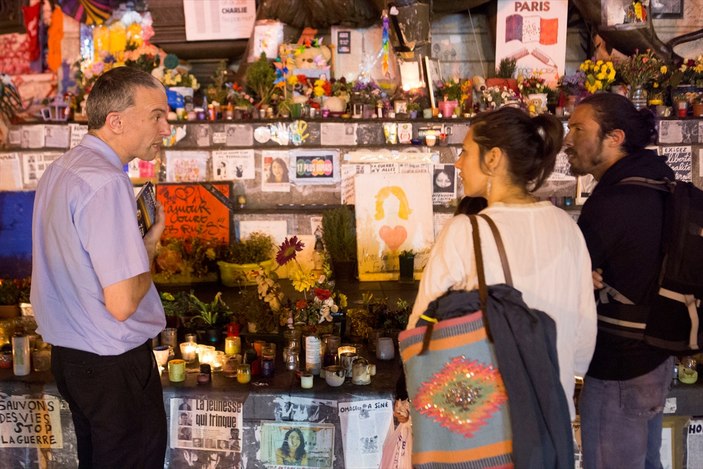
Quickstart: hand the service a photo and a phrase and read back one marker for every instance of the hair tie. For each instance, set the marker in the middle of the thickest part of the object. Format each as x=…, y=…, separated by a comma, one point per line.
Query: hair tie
x=541, y=132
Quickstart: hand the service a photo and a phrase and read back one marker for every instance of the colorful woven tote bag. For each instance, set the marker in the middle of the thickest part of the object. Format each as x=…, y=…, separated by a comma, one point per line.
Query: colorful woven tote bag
x=459, y=406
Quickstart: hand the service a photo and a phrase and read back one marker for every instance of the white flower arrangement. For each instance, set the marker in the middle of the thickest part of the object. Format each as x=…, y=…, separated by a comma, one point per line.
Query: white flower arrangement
x=495, y=97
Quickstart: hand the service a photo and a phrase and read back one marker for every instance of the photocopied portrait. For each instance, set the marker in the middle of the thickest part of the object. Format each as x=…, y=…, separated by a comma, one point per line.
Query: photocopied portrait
x=285, y=444
x=274, y=171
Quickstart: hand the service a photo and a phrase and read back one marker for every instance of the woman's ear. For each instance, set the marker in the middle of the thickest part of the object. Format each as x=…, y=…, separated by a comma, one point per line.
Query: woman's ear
x=493, y=159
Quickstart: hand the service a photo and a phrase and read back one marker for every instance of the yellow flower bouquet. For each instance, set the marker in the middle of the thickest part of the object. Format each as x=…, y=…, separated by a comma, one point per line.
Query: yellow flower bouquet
x=599, y=75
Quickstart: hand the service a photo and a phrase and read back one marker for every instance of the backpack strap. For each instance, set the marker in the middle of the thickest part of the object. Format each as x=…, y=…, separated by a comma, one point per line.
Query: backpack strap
x=664, y=185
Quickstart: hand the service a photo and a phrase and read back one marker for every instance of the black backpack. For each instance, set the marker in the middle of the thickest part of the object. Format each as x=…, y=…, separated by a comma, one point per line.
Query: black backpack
x=674, y=319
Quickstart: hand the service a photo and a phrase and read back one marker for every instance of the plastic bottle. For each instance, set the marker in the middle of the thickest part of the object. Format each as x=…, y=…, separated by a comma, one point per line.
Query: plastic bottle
x=20, y=355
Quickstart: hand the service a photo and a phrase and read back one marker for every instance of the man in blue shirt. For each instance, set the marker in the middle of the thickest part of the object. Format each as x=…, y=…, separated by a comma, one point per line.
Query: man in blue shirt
x=92, y=292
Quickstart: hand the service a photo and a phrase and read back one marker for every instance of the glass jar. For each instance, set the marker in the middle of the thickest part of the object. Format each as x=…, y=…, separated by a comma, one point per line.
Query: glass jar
x=243, y=373
x=638, y=96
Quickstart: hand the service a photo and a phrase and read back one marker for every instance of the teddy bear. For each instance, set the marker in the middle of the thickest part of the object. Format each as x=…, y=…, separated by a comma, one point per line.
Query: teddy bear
x=309, y=60
x=313, y=58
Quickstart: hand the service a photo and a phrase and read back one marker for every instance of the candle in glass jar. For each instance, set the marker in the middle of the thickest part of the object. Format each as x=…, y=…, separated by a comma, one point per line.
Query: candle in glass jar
x=345, y=349
x=306, y=380
x=176, y=370
x=233, y=345
x=243, y=373
x=188, y=351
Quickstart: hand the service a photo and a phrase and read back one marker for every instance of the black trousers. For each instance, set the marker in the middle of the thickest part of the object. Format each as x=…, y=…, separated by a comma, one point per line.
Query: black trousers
x=117, y=407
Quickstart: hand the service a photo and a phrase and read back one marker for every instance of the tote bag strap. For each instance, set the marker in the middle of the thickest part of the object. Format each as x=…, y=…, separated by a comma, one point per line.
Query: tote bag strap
x=501, y=248
x=482, y=287
x=481, y=273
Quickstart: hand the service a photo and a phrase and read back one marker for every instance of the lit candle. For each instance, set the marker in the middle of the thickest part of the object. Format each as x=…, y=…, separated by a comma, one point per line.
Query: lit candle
x=344, y=349
x=243, y=373
x=306, y=380
x=176, y=371
x=233, y=345
x=188, y=351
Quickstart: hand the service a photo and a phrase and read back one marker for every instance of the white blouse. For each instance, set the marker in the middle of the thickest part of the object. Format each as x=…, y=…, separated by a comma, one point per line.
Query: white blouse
x=549, y=263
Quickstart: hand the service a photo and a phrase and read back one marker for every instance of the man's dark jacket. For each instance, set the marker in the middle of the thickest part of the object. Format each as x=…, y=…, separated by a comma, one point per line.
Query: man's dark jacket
x=622, y=225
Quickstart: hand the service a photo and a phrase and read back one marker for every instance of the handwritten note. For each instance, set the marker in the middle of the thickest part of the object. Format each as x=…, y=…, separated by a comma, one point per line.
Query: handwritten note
x=77, y=133
x=194, y=211
x=30, y=422
x=679, y=158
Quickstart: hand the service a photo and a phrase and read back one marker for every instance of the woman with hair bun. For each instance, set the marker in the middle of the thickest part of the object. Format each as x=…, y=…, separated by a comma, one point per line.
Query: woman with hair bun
x=506, y=156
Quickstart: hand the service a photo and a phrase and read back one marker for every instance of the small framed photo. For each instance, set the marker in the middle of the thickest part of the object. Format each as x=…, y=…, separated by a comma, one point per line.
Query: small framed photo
x=314, y=167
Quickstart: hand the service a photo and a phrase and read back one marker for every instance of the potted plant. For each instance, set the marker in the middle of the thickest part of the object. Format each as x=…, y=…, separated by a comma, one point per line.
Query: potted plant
x=413, y=108
x=698, y=105
x=406, y=261
x=177, y=308
x=395, y=320
x=260, y=78
x=243, y=257
x=256, y=314
x=208, y=318
x=504, y=74
x=184, y=261
x=339, y=237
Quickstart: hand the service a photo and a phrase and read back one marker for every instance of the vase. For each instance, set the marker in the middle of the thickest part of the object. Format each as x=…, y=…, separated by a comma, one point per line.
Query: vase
x=638, y=96
x=697, y=109
x=239, y=275
x=447, y=107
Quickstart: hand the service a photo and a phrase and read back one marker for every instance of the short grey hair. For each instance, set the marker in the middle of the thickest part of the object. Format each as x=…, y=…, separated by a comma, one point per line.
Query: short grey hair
x=114, y=92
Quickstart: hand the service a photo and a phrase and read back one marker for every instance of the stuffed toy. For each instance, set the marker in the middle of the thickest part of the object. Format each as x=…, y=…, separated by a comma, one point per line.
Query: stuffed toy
x=310, y=59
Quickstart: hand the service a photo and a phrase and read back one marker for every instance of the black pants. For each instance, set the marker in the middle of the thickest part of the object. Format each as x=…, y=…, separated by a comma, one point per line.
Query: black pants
x=117, y=407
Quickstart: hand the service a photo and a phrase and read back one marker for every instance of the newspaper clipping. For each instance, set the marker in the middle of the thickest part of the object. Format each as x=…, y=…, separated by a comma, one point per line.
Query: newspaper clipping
x=206, y=430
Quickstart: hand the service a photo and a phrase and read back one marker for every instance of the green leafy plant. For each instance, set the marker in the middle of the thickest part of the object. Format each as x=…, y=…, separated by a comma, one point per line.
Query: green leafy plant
x=209, y=314
x=258, y=247
x=217, y=91
x=250, y=309
x=176, y=305
x=506, y=68
x=260, y=78
x=397, y=318
x=339, y=234
x=406, y=253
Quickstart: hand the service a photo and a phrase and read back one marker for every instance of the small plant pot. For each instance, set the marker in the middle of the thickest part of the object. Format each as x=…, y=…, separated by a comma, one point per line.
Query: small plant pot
x=407, y=268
